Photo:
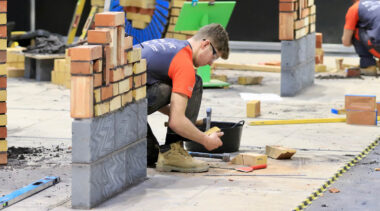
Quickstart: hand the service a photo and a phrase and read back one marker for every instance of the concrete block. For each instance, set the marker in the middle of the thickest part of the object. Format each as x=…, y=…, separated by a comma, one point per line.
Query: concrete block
x=126, y=129
x=297, y=65
x=142, y=107
x=94, y=183
x=30, y=68
x=93, y=138
x=43, y=69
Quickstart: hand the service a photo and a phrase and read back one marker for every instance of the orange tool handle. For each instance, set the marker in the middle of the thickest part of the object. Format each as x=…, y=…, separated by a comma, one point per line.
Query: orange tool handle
x=262, y=166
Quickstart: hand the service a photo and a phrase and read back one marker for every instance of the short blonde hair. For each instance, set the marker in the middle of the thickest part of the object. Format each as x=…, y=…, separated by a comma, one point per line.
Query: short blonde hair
x=218, y=37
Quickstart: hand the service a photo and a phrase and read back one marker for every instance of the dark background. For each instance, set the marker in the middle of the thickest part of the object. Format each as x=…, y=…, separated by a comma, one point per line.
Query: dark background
x=252, y=20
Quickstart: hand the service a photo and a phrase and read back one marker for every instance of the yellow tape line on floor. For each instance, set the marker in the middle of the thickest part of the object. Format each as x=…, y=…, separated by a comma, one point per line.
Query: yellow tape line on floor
x=299, y=121
x=353, y=162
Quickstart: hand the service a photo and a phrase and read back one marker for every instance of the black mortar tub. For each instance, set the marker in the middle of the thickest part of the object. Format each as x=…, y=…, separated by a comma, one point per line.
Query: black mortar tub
x=231, y=138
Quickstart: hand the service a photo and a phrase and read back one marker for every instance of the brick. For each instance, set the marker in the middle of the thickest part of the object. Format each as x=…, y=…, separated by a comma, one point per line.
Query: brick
x=318, y=40
x=3, y=18
x=253, y=108
x=134, y=55
x=279, y=152
x=361, y=117
x=107, y=65
x=85, y=53
x=115, y=103
x=301, y=32
x=286, y=6
x=313, y=9
x=3, y=108
x=128, y=42
x=102, y=108
x=143, y=78
x=360, y=102
x=94, y=183
x=3, y=69
x=115, y=89
x=3, y=158
x=97, y=67
x=320, y=68
x=312, y=28
x=99, y=36
x=305, y=12
x=82, y=67
x=3, y=31
x=110, y=19
x=117, y=74
x=98, y=79
x=106, y=92
x=286, y=26
x=378, y=109
x=249, y=159
x=97, y=95
x=136, y=81
x=3, y=56
x=3, y=146
x=139, y=93
x=82, y=97
x=3, y=6
x=128, y=70
x=3, y=95
x=3, y=82
x=299, y=24
x=124, y=86
x=3, y=120
x=250, y=80
x=112, y=47
x=139, y=67
x=126, y=98
x=120, y=45
x=353, y=72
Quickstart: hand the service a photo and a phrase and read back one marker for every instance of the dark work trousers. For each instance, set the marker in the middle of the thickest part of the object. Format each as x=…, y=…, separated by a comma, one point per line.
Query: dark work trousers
x=366, y=58
x=159, y=95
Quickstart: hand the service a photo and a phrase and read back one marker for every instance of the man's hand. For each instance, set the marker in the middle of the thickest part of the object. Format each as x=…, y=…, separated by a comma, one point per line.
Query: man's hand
x=213, y=141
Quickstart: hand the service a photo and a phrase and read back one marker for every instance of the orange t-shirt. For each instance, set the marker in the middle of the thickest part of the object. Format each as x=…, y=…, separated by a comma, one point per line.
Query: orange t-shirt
x=182, y=72
x=352, y=17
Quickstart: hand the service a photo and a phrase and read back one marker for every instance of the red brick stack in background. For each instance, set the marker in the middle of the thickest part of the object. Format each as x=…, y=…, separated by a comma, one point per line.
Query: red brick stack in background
x=297, y=18
x=319, y=54
x=139, y=12
x=102, y=73
x=3, y=82
x=361, y=109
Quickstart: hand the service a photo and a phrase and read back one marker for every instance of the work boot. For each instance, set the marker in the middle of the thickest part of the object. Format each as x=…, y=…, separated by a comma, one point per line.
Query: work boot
x=175, y=158
x=369, y=71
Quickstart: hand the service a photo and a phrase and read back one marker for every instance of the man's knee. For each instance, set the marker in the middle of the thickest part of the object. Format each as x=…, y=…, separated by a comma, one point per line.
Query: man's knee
x=158, y=96
x=198, y=84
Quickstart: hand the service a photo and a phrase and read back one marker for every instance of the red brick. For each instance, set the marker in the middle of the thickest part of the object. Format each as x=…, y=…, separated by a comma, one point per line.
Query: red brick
x=128, y=42
x=318, y=40
x=3, y=56
x=143, y=79
x=3, y=158
x=299, y=24
x=137, y=81
x=117, y=74
x=98, y=80
x=3, y=108
x=361, y=117
x=3, y=132
x=3, y=6
x=378, y=109
x=286, y=26
x=106, y=92
x=82, y=97
x=86, y=53
x=110, y=19
x=107, y=66
x=353, y=72
x=97, y=67
x=305, y=12
x=120, y=45
x=286, y=6
x=100, y=36
x=360, y=103
x=3, y=82
x=81, y=67
x=3, y=31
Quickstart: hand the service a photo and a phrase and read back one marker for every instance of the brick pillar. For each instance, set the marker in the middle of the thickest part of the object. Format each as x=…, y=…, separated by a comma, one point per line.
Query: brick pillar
x=3, y=83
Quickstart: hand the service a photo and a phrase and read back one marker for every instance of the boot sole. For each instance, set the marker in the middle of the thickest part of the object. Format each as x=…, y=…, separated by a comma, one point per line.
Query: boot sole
x=183, y=170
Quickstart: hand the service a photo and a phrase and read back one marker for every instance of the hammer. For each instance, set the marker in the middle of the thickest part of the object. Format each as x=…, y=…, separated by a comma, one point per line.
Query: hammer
x=224, y=156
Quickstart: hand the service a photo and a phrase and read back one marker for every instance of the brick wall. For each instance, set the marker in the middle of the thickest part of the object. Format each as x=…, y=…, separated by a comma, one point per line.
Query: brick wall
x=3, y=82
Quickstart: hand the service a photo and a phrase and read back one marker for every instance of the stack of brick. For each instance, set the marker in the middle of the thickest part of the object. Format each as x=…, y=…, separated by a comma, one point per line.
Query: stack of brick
x=361, y=109
x=3, y=83
x=319, y=54
x=175, y=10
x=108, y=102
x=297, y=19
x=15, y=62
x=61, y=73
x=139, y=12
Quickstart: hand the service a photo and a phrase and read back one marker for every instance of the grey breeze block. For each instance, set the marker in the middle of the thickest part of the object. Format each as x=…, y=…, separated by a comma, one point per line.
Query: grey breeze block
x=94, y=183
x=97, y=137
x=297, y=65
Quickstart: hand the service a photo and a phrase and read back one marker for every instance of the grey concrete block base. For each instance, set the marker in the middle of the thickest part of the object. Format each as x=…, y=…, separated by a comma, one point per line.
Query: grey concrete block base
x=96, y=182
x=297, y=65
x=43, y=69
x=30, y=68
